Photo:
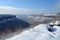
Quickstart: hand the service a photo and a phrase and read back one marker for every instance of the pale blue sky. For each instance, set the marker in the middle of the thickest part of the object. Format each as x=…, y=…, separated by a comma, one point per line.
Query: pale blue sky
x=28, y=3
x=31, y=4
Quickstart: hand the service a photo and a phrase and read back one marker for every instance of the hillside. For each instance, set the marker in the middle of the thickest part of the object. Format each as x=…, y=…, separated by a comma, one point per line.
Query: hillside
x=33, y=20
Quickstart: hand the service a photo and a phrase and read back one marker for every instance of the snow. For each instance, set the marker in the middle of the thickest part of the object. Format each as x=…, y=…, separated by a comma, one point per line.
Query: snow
x=57, y=22
x=40, y=32
x=51, y=23
x=58, y=31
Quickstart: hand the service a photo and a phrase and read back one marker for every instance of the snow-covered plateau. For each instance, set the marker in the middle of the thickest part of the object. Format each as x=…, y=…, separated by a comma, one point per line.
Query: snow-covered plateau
x=39, y=32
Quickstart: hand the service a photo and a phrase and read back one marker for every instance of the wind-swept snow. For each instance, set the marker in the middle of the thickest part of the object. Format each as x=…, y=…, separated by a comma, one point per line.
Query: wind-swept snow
x=39, y=32
x=57, y=22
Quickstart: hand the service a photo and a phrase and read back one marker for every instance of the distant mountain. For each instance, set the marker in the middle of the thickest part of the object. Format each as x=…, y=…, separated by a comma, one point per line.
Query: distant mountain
x=11, y=22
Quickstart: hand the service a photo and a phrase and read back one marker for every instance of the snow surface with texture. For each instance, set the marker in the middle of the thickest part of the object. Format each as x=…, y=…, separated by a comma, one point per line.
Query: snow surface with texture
x=39, y=32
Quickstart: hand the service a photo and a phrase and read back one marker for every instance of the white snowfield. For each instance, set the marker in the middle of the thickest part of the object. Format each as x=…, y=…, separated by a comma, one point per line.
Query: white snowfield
x=39, y=32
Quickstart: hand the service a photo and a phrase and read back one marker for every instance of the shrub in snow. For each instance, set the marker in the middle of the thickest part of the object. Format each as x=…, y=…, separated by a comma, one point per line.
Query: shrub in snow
x=51, y=24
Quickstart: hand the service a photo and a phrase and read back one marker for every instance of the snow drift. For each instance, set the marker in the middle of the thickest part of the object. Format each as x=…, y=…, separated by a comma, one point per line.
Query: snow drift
x=39, y=32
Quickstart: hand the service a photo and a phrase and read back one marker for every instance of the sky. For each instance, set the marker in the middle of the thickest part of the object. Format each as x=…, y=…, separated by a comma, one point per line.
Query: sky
x=29, y=6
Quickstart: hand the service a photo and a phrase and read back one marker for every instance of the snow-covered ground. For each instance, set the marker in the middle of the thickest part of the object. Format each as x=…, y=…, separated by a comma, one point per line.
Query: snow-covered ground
x=40, y=32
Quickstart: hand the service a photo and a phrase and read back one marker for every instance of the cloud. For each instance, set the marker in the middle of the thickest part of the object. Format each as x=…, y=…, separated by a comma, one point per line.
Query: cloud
x=13, y=10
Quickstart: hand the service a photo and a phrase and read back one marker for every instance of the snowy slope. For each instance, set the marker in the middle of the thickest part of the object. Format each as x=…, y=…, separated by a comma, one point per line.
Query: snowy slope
x=39, y=32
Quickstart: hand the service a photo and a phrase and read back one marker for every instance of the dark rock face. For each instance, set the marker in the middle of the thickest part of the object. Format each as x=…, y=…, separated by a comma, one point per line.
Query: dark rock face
x=11, y=22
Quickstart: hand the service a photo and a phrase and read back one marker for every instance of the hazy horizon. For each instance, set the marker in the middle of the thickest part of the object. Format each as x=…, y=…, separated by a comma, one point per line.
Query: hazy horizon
x=29, y=6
